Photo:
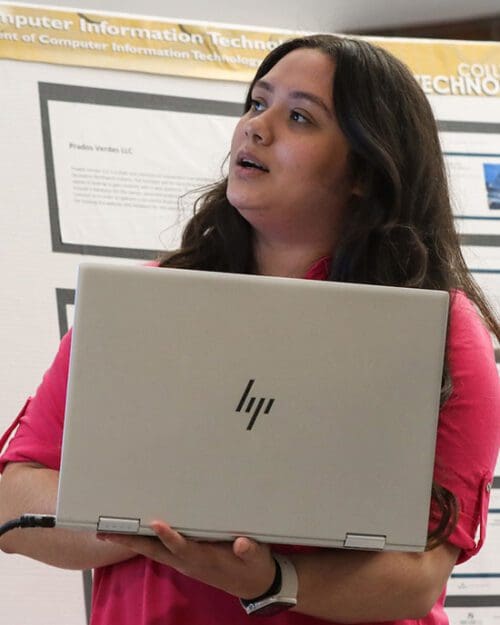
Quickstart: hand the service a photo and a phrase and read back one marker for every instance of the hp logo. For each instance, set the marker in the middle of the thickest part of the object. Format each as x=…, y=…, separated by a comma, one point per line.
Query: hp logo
x=251, y=402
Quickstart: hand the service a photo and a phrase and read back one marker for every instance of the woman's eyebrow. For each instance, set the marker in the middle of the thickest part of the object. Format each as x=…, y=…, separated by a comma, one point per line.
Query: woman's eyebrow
x=296, y=95
x=305, y=95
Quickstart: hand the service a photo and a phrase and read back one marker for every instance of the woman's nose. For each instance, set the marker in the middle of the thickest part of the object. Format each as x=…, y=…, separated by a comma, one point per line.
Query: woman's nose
x=259, y=128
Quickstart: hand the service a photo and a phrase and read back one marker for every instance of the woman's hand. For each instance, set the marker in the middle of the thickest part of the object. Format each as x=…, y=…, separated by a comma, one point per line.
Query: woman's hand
x=243, y=568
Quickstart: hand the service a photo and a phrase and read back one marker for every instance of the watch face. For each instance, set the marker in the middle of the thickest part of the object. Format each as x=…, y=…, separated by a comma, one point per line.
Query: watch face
x=273, y=608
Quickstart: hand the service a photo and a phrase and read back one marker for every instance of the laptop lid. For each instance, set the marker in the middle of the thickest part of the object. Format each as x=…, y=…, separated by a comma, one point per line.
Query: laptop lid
x=287, y=410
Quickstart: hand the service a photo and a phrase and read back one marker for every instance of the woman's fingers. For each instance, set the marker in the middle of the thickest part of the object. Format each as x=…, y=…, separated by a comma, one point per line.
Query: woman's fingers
x=143, y=545
x=173, y=541
x=245, y=549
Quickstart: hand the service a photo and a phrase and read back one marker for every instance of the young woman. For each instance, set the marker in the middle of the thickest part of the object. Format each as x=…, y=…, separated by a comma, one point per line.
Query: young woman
x=335, y=174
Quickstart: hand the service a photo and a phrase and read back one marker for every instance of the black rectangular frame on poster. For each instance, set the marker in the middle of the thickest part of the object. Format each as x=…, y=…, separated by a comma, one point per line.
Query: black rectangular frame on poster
x=108, y=97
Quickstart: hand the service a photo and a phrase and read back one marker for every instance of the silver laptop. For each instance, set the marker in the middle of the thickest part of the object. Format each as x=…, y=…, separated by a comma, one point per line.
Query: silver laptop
x=291, y=411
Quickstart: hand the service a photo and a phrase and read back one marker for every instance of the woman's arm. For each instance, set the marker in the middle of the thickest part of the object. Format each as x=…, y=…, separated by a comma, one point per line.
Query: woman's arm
x=336, y=585
x=30, y=488
x=341, y=586
x=356, y=586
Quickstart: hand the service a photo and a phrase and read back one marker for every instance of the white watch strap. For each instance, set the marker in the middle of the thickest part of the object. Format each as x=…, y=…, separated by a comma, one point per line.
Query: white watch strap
x=289, y=579
x=284, y=598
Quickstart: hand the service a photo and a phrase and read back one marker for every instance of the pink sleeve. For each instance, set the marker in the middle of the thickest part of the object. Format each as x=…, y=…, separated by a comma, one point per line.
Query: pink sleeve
x=469, y=426
x=39, y=434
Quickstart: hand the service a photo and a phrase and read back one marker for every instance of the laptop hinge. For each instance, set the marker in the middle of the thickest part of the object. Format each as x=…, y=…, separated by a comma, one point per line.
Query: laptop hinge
x=117, y=524
x=364, y=541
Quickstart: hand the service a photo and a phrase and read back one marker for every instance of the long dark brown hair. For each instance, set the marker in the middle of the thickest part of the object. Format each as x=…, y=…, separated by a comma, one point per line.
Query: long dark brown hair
x=397, y=231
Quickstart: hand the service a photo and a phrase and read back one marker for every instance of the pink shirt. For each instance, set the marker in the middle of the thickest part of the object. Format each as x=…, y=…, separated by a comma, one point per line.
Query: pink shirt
x=142, y=592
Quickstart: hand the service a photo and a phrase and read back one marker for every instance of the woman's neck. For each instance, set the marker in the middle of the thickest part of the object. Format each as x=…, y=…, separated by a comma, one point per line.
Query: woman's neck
x=285, y=260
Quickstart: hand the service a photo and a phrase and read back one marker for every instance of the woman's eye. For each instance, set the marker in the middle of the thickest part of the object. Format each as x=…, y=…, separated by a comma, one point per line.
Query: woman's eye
x=298, y=117
x=257, y=106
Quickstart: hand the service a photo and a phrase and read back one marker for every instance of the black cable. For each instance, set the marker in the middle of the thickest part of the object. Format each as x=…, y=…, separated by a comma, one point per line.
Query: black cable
x=28, y=520
x=10, y=525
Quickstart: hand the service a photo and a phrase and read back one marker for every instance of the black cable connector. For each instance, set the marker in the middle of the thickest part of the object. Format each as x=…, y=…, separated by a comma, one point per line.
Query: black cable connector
x=29, y=520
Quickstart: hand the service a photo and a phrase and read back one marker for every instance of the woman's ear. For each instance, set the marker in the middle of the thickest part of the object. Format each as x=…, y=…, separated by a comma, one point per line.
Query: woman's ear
x=358, y=185
x=357, y=176
x=357, y=190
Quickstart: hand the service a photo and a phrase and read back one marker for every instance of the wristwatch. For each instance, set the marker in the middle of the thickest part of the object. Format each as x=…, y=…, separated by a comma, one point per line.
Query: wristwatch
x=282, y=594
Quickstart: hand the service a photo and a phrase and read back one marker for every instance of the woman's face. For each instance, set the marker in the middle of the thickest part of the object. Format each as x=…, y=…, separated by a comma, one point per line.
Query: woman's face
x=288, y=171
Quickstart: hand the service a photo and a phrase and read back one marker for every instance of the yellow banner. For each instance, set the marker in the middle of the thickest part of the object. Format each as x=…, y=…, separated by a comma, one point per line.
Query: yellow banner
x=203, y=50
x=450, y=67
